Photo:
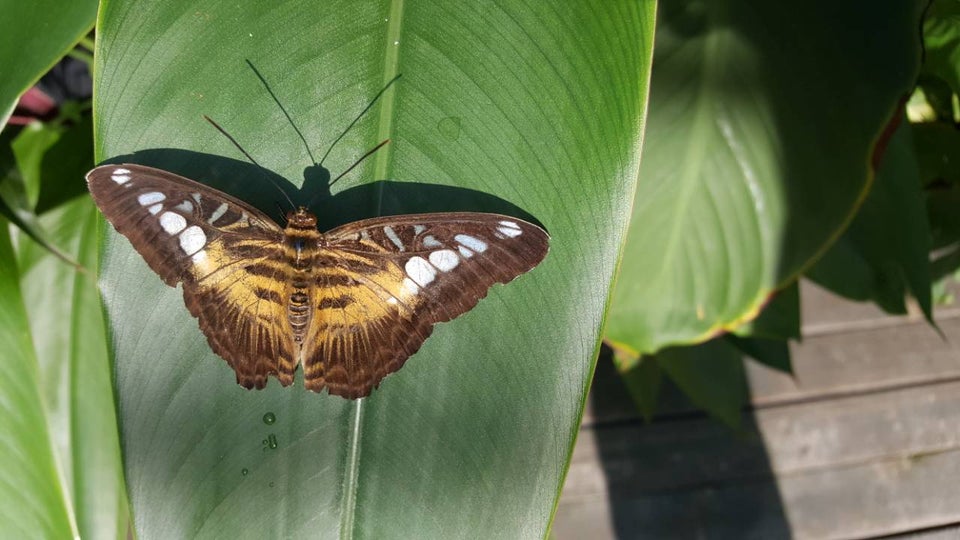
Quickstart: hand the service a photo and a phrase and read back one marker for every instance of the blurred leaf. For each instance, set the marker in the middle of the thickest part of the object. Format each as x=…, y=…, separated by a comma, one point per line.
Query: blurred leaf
x=780, y=318
x=943, y=211
x=35, y=35
x=19, y=191
x=53, y=158
x=65, y=164
x=884, y=253
x=71, y=343
x=941, y=38
x=642, y=377
x=772, y=352
x=34, y=497
x=763, y=120
x=937, y=147
x=515, y=107
x=29, y=147
x=711, y=375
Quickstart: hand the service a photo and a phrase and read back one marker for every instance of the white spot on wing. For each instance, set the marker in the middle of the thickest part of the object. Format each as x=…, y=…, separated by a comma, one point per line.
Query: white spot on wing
x=392, y=300
x=199, y=257
x=121, y=170
x=218, y=213
x=465, y=252
x=392, y=235
x=473, y=243
x=172, y=222
x=192, y=240
x=445, y=259
x=410, y=287
x=417, y=229
x=120, y=178
x=507, y=231
x=420, y=271
x=196, y=196
x=431, y=242
x=146, y=199
x=155, y=209
x=509, y=228
x=186, y=206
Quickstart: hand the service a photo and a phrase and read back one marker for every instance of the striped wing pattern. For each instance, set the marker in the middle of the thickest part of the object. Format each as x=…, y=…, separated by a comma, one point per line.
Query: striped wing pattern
x=385, y=282
x=350, y=305
x=216, y=246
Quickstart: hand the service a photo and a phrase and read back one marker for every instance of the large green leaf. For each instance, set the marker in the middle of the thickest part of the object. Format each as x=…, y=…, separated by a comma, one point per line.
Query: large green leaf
x=31, y=487
x=67, y=322
x=529, y=108
x=35, y=35
x=763, y=123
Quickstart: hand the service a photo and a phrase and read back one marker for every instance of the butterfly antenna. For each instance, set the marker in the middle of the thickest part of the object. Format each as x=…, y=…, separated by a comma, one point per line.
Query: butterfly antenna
x=357, y=119
x=283, y=213
x=283, y=110
x=244, y=152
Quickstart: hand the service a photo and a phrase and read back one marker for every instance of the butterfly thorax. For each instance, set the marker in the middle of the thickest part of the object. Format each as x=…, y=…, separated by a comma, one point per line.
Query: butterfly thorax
x=301, y=241
x=301, y=218
x=302, y=236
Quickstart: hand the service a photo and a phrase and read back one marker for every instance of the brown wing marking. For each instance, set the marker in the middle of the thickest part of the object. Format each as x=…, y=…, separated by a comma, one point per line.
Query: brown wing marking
x=241, y=310
x=375, y=320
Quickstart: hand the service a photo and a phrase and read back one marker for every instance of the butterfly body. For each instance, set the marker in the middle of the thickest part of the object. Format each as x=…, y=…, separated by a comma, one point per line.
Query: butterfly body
x=349, y=306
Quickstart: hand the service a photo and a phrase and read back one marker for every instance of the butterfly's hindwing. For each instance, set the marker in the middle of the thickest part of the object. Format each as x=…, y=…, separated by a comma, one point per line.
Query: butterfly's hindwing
x=350, y=306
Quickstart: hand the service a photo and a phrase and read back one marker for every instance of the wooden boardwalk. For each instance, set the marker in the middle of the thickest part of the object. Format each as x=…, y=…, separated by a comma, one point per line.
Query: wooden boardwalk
x=864, y=441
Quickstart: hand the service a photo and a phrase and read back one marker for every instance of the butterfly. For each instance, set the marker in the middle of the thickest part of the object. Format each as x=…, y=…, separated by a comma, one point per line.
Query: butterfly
x=350, y=305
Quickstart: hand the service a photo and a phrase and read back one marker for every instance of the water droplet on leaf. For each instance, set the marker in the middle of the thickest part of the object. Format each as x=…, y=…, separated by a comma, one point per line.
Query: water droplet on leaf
x=449, y=127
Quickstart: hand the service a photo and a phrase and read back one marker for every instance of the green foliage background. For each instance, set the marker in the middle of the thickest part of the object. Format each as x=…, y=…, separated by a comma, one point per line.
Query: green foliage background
x=775, y=146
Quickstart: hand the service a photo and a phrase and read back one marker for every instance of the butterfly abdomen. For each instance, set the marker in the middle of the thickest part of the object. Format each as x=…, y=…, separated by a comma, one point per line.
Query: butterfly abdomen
x=301, y=239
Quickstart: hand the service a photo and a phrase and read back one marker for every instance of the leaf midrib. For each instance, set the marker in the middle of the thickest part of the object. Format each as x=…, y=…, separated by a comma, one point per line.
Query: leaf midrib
x=391, y=60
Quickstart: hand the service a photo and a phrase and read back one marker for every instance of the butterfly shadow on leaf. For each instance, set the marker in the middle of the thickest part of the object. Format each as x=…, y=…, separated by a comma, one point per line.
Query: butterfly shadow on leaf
x=258, y=186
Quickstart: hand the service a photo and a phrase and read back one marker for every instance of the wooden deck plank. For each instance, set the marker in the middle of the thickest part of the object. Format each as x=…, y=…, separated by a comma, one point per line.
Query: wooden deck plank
x=859, y=501
x=863, y=441
x=828, y=365
x=860, y=465
x=630, y=458
x=862, y=361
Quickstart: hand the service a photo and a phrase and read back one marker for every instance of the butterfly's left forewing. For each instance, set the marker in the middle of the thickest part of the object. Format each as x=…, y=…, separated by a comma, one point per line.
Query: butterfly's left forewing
x=384, y=283
x=225, y=252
